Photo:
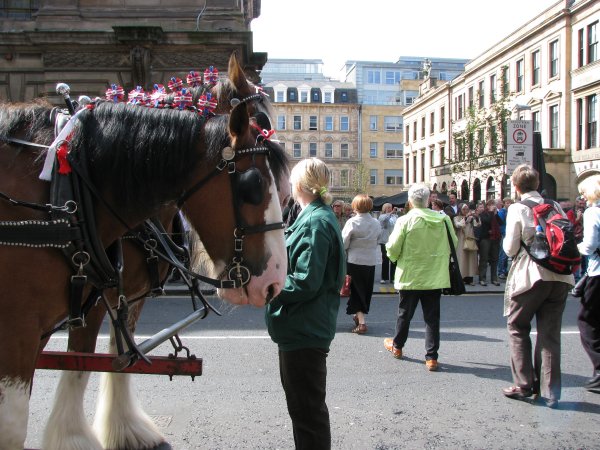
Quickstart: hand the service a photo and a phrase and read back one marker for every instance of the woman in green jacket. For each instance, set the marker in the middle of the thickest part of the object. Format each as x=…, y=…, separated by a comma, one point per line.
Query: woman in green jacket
x=302, y=319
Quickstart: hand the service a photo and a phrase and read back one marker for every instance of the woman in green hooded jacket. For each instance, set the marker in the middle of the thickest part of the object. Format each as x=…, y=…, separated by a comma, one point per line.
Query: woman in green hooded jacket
x=302, y=319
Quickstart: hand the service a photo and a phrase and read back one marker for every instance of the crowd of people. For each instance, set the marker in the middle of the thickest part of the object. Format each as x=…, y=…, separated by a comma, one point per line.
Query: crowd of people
x=413, y=245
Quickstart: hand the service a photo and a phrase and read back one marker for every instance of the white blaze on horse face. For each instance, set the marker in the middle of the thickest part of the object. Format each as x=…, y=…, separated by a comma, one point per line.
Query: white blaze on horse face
x=270, y=283
x=14, y=411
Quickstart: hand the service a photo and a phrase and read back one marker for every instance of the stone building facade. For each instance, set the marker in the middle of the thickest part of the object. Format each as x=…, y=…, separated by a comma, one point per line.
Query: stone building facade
x=547, y=71
x=90, y=44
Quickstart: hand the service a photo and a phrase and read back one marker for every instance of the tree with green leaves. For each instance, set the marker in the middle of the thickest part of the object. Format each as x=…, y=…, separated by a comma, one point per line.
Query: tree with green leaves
x=483, y=126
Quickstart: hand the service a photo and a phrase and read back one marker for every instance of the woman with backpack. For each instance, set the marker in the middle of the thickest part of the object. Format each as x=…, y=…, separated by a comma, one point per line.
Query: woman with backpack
x=532, y=291
x=589, y=314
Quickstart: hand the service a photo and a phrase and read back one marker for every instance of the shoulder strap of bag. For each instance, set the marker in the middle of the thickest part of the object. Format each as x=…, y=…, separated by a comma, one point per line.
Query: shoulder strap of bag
x=452, y=250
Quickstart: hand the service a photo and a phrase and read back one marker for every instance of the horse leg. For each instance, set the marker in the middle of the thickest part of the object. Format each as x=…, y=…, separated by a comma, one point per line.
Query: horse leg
x=67, y=427
x=14, y=411
x=19, y=349
x=120, y=422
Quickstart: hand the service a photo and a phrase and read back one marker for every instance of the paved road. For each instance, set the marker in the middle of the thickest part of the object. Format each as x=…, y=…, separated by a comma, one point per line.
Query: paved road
x=375, y=401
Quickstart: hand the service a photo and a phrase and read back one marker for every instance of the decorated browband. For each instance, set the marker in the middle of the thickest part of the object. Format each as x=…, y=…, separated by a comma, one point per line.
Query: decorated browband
x=181, y=96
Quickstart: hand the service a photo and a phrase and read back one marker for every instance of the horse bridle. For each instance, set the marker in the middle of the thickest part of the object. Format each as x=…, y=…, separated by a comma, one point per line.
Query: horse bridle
x=245, y=188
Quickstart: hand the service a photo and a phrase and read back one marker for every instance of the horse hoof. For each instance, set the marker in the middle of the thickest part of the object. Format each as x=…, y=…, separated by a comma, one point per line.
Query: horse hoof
x=162, y=446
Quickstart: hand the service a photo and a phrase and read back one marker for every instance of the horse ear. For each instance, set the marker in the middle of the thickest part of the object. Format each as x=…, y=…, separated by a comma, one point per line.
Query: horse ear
x=239, y=122
x=236, y=74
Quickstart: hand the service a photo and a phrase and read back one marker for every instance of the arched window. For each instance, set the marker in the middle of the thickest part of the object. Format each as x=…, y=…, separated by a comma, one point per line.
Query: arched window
x=464, y=191
x=490, y=188
x=476, y=190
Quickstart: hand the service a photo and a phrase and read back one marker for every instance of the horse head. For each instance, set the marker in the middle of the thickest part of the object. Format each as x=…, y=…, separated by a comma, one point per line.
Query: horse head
x=237, y=214
x=235, y=89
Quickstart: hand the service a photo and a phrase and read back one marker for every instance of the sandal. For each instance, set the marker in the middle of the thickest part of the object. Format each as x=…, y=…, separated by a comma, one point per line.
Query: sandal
x=355, y=320
x=360, y=329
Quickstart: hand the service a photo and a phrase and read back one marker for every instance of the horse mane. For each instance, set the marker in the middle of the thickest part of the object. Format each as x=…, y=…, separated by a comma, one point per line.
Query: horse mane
x=143, y=156
x=29, y=121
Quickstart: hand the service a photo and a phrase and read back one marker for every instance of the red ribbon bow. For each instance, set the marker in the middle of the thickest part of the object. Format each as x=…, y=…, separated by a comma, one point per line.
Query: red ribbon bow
x=115, y=93
x=194, y=79
x=211, y=75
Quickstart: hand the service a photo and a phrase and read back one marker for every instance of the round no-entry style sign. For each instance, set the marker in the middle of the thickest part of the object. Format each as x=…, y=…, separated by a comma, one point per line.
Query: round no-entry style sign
x=519, y=136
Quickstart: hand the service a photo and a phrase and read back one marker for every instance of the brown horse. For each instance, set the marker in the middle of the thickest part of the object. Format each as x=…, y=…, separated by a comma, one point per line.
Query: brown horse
x=139, y=177
x=118, y=422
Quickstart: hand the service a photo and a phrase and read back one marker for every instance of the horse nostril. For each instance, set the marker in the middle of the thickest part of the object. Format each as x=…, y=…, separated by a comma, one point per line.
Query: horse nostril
x=270, y=293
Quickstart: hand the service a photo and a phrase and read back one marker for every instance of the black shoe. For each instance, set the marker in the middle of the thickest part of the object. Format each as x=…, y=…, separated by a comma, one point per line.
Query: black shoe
x=593, y=383
x=551, y=403
x=517, y=392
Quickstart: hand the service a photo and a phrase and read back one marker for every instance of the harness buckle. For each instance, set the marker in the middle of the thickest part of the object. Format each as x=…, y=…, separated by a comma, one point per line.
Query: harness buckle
x=231, y=167
x=238, y=244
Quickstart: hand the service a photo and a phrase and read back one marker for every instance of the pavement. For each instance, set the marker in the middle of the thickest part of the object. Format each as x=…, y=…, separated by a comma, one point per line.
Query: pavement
x=178, y=288
x=387, y=289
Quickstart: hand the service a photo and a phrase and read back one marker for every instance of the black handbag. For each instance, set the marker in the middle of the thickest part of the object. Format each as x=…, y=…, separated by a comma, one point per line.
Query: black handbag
x=457, y=285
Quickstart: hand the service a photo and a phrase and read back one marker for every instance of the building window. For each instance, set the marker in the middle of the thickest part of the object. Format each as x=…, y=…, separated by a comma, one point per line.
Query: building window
x=592, y=122
x=442, y=118
x=580, y=48
x=393, y=123
x=304, y=96
x=414, y=128
x=328, y=123
x=373, y=176
x=281, y=122
x=312, y=123
x=471, y=97
x=373, y=77
x=373, y=150
x=344, y=150
x=344, y=177
x=312, y=149
x=580, y=119
x=328, y=150
x=535, y=118
x=481, y=94
x=393, y=177
x=553, y=113
x=492, y=89
x=392, y=77
x=316, y=97
x=393, y=150
x=406, y=134
x=432, y=155
x=344, y=123
x=422, y=127
x=292, y=96
x=535, y=68
x=19, y=9
x=481, y=141
x=431, y=122
x=460, y=105
x=297, y=150
x=592, y=42
x=327, y=97
x=279, y=96
x=373, y=123
x=442, y=154
x=519, y=75
x=344, y=97
x=297, y=122
x=493, y=138
x=554, y=59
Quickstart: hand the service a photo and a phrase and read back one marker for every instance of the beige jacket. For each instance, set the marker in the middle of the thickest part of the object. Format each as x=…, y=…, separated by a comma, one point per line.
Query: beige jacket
x=524, y=272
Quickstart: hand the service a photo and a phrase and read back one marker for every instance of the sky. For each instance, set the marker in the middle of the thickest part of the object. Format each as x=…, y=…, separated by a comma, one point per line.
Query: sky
x=383, y=30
